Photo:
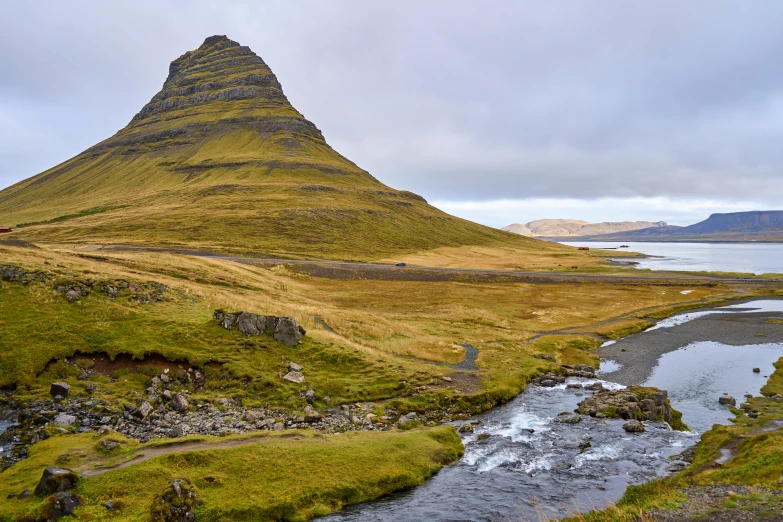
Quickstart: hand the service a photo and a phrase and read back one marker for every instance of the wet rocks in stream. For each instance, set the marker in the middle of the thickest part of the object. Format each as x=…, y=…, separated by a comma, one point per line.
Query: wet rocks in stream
x=634, y=403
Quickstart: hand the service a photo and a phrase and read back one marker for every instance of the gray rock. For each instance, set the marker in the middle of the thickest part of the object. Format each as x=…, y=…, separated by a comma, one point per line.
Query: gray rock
x=251, y=324
x=310, y=396
x=548, y=383
x=633, y=426
x=288, y=331
x=727, y=400
x=294, y=377
x=143, y=410
x=72, y=295
x=568, y=418
x=228, y=321
x=63, y=419
x=60, y=505
x=292, y=366
x=180, y=402
x=55, y=480
x=59, y=388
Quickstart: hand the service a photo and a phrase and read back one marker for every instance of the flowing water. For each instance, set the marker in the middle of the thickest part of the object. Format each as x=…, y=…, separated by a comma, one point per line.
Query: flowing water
x=757, y=258
x=532, y=467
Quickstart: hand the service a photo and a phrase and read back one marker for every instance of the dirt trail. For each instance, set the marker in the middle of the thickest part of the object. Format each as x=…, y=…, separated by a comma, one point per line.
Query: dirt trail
x=151, y=452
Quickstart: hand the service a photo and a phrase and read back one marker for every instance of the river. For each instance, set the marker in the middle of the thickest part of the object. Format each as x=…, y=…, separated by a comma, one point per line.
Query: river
x=755, y=258
x=534, y=468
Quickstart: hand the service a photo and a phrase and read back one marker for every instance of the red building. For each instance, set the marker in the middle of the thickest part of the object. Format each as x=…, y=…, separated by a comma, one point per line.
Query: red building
x=5, y=229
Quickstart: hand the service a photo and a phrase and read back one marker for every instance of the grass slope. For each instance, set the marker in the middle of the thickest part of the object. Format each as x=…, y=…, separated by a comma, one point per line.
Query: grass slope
x=293, y=476
x=220, y=159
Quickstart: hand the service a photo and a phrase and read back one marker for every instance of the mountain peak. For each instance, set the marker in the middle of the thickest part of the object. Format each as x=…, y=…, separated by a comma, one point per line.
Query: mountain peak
x=220, y=70
x=220, y=159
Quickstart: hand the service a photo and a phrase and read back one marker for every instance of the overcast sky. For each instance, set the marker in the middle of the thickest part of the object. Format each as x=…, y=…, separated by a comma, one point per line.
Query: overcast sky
x=496, y=111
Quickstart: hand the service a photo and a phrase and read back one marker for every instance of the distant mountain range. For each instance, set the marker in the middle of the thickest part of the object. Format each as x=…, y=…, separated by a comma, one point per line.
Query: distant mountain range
x=759, y=225
x=577, y=228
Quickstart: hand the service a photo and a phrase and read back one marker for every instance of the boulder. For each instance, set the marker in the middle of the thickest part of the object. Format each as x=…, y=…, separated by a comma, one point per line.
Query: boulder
x=72, y=295
x=63, y=419
x=288, y=331
x=176, y=503
x=568, y=418
x=633, y=426
x=55, y=480
x=251, y=324
x=310, y=396
x=180, y=402
x=756, y=370
x=59, y=388
x=634, y=403
x=292, y=366
x=465, y=428
x=143, y=410
x=294, y=377
x=59, y=505
x=228, y=321
x=727, y=400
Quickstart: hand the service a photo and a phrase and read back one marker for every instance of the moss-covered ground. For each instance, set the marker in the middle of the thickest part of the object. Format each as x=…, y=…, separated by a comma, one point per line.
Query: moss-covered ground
x=389, y=342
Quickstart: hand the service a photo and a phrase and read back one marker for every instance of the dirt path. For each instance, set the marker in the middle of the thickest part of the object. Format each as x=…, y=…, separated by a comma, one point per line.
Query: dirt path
x=151, y=452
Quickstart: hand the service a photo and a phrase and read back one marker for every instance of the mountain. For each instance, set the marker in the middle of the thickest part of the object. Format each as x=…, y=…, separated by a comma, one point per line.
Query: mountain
x=757, y=225
x=220, y=159
x=576, y=228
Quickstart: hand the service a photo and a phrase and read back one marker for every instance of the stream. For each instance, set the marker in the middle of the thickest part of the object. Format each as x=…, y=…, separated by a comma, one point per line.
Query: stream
x=534, y=468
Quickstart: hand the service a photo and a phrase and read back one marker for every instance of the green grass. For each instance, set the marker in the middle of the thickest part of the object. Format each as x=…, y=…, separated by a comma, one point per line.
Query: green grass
x=40, y=326
x=291, y=476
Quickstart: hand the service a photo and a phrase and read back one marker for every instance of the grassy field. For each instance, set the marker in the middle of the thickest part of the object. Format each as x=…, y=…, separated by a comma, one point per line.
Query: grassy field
x=389, y=342
x=292, y=476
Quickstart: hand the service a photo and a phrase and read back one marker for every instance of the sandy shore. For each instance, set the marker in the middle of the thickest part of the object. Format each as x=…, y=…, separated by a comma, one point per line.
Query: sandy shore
x=639, y=353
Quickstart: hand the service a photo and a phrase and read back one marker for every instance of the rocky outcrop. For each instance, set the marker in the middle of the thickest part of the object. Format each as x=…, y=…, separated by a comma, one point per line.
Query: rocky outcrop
x=284, y=329
x=17, y=274
x=176, y=503
x=55, y=480
x=59, y=505
x=634, y=403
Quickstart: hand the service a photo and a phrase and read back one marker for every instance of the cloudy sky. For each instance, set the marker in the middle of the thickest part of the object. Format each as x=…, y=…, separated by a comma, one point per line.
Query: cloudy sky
x=496, y=111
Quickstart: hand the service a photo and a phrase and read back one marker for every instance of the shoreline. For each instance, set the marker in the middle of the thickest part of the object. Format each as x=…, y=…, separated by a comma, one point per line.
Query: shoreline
x=639, y=353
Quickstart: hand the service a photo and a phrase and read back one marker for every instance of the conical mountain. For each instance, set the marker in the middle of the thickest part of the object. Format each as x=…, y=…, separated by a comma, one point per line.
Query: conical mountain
x=220, y=159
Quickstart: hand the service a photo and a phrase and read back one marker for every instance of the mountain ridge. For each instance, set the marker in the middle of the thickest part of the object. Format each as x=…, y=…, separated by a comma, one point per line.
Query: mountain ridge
x=220, y=159
x=755, y=225
x=576, y=227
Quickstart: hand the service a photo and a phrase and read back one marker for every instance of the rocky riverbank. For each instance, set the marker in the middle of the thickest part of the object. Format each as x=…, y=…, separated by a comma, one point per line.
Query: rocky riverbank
x=743, y=324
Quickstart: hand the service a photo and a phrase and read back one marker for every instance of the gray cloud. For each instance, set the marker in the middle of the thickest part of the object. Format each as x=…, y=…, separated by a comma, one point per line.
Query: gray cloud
x=458, y=101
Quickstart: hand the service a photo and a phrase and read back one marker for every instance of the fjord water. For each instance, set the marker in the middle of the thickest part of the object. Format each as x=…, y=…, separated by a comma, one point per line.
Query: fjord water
x=756, y=258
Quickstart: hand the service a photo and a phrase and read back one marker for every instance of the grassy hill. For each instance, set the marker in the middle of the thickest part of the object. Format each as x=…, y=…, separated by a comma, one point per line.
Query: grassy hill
x=220, y=159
